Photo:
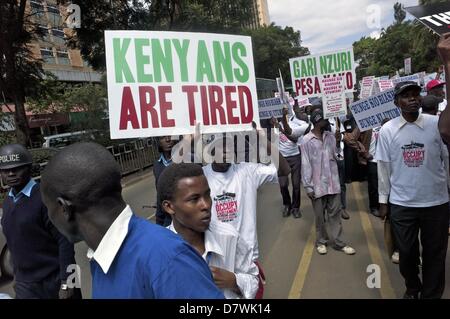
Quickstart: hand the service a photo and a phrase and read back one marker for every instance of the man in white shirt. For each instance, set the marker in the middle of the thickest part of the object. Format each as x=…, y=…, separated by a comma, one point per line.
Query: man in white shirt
x=234, y=190
x=413, y=176
x=290, y=132
x=187, y=199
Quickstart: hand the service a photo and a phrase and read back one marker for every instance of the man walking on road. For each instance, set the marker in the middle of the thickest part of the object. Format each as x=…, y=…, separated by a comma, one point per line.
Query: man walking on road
x=130, y=257
x=290, y=131
x=321, y=181
x=185, y=195
x=412, y=174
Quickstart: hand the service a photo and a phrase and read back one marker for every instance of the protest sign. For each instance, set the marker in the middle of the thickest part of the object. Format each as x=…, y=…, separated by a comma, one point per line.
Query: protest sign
x=408, y=66
x=307, y=72
x=375, y=88
x=434, y=16
x=366, y=86
x=270, y=107
x=385, y=85
x=163, y=83
x=334, y=101
x=303, y=102
x=414, y=77
x=370, y=113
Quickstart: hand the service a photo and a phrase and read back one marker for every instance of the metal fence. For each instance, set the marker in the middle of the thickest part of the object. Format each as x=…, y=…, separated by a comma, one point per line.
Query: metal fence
x=136, y=155
x=131, y=156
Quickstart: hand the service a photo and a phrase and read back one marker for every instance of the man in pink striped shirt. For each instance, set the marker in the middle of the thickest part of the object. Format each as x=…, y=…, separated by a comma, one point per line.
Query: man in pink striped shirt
x=320, y=178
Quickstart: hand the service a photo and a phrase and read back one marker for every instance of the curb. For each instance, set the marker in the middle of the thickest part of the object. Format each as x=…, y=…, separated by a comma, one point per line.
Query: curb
x=136, y=179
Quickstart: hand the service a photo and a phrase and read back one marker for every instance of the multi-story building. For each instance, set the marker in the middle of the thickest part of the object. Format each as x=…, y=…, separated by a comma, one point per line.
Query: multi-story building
x=259, y=12
x=65, y=63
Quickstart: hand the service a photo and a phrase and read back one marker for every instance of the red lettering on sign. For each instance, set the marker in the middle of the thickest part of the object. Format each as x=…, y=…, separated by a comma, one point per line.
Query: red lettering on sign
x=231, y=104
x=245, y=118
x=165, y=106
x=205, y=109
x=216, y=104
x=317, y=86
x=298, y=86
x=128, y=110
x=148, y=107
x=190, y=90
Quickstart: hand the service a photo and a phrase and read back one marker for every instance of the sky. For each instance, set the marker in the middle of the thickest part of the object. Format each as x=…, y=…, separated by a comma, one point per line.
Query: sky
x=326, y=25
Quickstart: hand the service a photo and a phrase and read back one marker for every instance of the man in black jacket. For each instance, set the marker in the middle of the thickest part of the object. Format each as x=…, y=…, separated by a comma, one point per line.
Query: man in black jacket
x=39, y=252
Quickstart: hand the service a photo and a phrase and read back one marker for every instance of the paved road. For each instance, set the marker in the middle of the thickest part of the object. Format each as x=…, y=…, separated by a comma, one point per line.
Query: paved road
x=292, y=266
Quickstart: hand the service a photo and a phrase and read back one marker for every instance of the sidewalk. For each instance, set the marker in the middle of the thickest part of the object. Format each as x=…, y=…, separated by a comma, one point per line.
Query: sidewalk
x=133, y=178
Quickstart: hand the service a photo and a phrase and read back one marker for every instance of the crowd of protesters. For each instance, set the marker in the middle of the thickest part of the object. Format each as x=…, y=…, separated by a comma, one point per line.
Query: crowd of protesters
x=205, y=243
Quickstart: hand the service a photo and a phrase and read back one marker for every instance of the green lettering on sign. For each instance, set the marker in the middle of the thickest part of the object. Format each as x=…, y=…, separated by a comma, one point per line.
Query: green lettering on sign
x=304, y=69
x=296, y=68
x=222, y=61
x=182, y=51
x=142, y=60
x=323, y=64
x=311, y=69
x=162, y=58
x=238, y=51
x=203, y=63
x=120, y=62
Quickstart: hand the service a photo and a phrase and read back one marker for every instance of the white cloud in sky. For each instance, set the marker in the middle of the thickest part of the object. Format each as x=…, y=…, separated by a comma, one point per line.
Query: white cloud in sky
x=326, y=25
x=375, y=34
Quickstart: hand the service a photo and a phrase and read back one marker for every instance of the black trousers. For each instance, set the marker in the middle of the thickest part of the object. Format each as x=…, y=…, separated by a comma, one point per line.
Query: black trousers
x=295, y=163
x=432, y=224
x=45, y=289
x=341, y=170
x=372, y=182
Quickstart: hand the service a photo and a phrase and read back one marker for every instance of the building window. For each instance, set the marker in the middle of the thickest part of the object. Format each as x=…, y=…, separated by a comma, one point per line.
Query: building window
x=43, y=31
x=52, y=9
x=58, y=36
x=58, y=32
x=63, y=57
x=55, y=19
x=37, y=9
x=47, y=55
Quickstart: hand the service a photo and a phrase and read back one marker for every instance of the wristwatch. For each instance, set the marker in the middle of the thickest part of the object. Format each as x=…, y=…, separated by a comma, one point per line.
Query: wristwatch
x=64, y=287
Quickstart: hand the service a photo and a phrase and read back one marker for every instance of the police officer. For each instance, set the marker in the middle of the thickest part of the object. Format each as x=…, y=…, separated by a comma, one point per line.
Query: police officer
x=40, y=254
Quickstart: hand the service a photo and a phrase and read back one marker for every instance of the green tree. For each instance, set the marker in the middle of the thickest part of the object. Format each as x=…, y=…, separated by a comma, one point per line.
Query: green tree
x=402, y=39
x=364, y=50
x=399, y=13
x=189, y=15
x=273, y=46
x=85, y=103
x=20, y=72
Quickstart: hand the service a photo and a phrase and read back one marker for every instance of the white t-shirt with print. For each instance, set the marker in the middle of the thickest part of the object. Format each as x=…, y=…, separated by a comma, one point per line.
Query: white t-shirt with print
x=286, y=146
x=416, y=156
x=234, y=197
x=373, y=143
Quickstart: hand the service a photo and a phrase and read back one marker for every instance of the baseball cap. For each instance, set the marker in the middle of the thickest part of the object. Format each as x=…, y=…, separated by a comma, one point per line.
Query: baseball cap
x=406, y=85
x=316, y=116
x=434, y=83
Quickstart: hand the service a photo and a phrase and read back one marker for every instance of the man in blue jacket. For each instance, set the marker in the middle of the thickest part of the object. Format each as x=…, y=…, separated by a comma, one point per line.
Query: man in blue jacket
x=130, y=257
x=39, y=252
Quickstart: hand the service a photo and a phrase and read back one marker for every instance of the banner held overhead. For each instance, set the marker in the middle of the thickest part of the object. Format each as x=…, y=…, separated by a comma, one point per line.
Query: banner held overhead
x=163, y=83
x=435, y=16
x=307, y=72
